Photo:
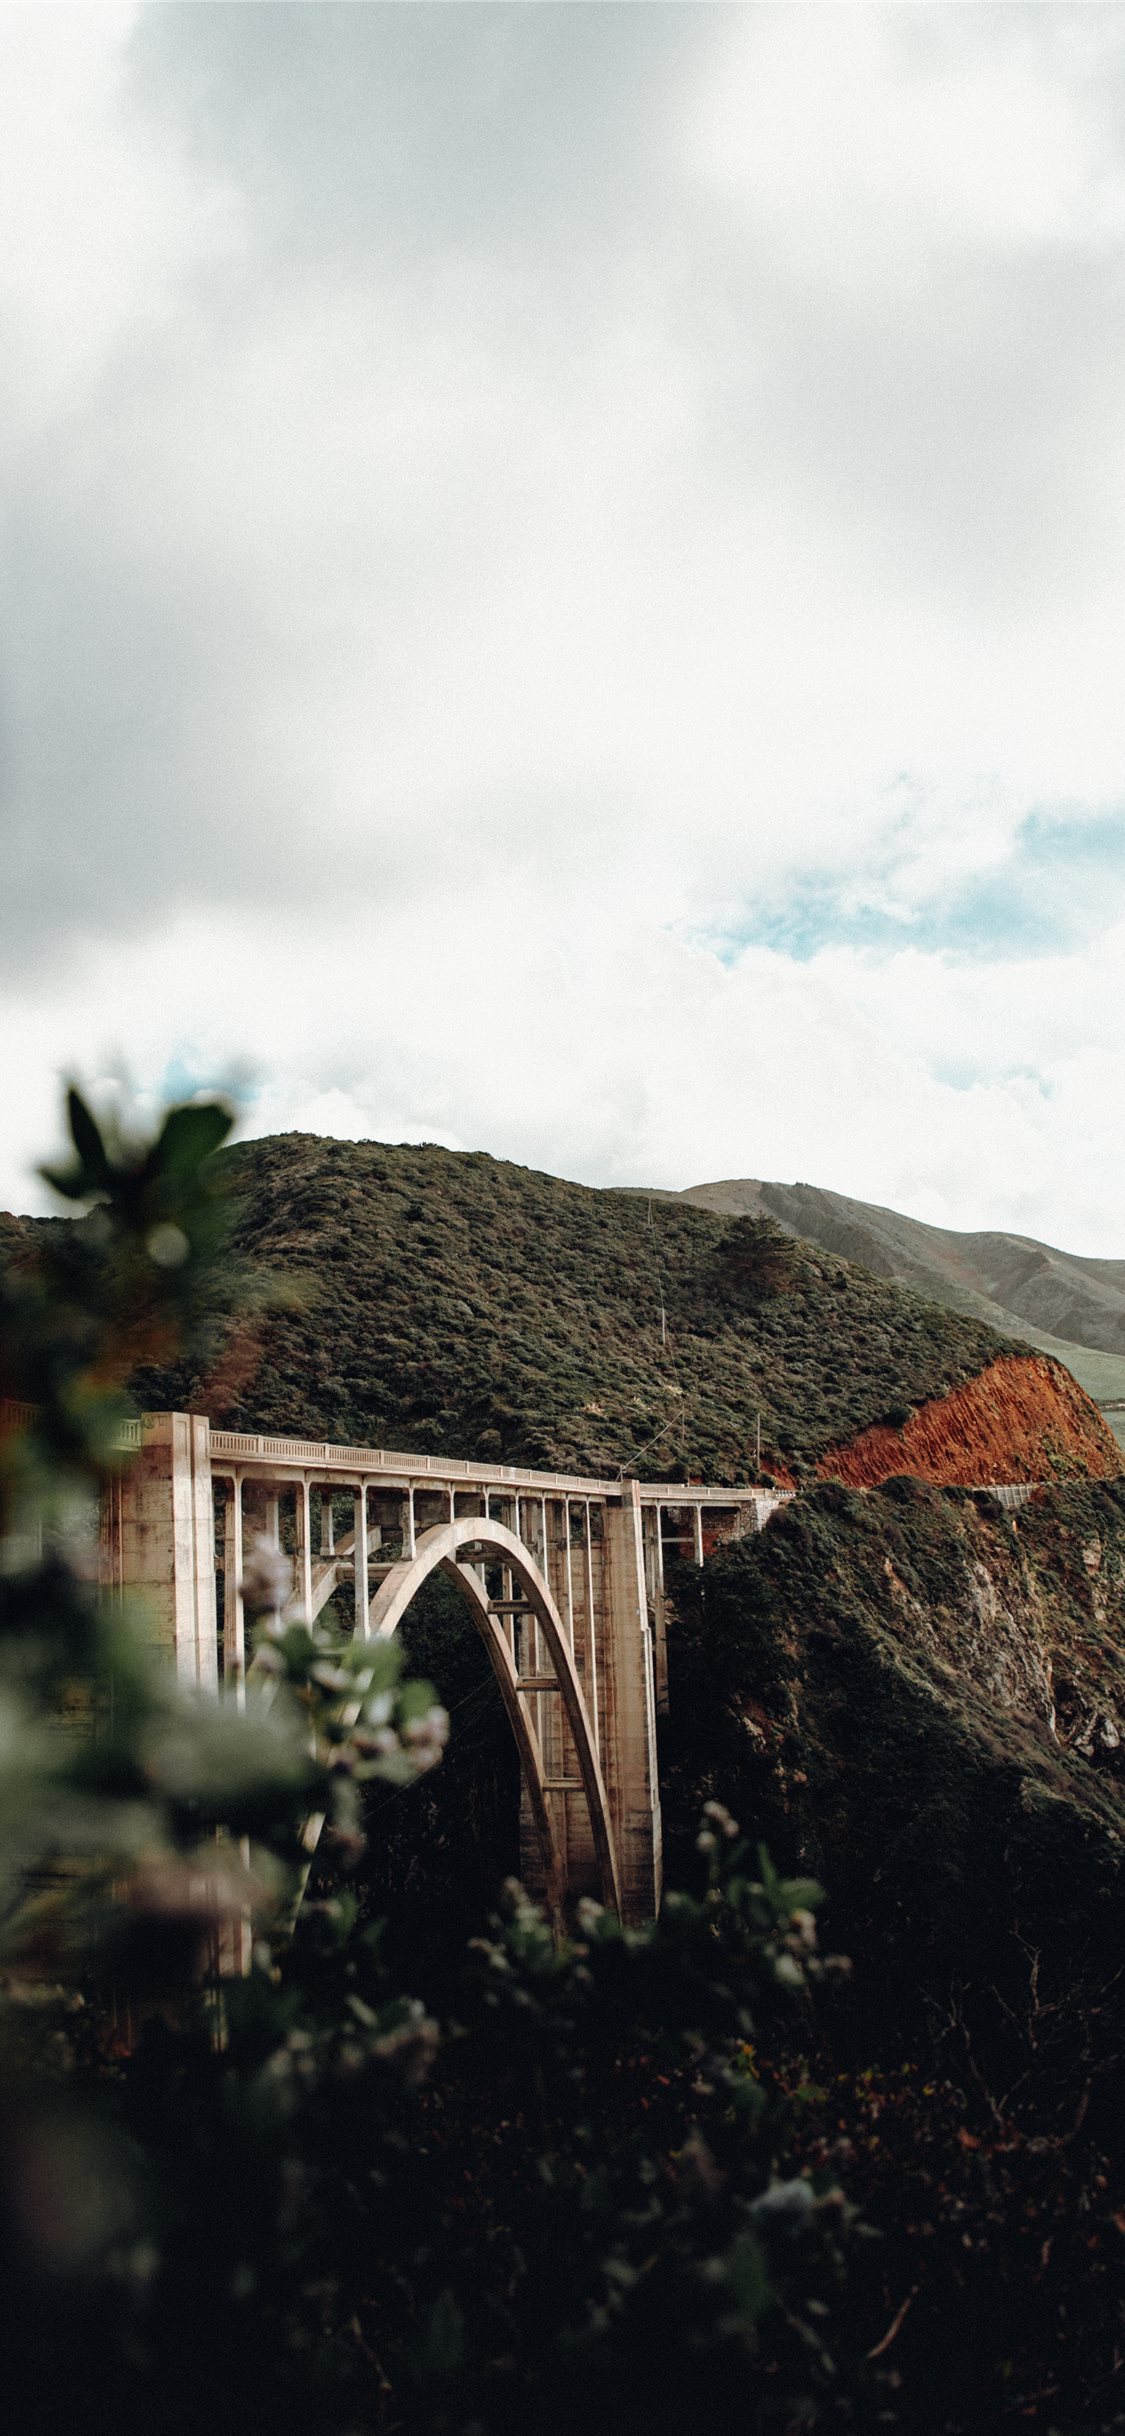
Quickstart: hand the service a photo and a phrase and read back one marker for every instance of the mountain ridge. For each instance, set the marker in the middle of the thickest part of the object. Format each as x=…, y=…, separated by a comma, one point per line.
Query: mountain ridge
x=457, y=1304
x=462, y=1305
x=1066, y=1304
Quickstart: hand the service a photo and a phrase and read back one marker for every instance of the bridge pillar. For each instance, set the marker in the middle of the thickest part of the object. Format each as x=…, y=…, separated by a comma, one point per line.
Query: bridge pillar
x=162, y=1527
x=362, y=1586
x=652, y=1535
x=234, y=1619
x=304, y=1549
x=261, y=1512
x=628, y=1734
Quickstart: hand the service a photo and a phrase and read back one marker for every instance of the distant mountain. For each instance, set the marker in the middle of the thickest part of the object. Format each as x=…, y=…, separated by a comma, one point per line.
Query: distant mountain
x=1066, y=1306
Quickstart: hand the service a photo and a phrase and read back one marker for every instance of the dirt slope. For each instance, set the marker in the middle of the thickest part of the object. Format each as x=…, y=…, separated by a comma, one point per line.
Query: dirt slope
x=1022, y=1419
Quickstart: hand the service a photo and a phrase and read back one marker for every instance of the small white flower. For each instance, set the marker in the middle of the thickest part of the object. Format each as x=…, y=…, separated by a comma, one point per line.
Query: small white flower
x=267, y=1578
x=430, y=1730
x=786, y=2207
x=330, y=1678
x=167, y=1245
x=410, y=2047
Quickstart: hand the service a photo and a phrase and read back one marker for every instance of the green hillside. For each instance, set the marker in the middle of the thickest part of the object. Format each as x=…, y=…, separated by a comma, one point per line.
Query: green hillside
x=922, y=1698
x=891, y=1731
x=456, y=1303
x=1066, y=1306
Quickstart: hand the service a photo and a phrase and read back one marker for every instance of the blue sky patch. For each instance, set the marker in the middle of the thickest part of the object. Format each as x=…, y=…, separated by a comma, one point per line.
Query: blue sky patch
x=1059, y=883
x=184, y=1074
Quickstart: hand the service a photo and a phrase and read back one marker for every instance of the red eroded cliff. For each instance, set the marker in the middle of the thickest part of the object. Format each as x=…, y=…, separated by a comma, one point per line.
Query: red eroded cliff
x=1024, y=1418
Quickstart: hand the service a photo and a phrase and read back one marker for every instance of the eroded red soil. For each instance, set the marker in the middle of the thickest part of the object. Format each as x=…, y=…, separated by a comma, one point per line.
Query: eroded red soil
x=1024, y=1418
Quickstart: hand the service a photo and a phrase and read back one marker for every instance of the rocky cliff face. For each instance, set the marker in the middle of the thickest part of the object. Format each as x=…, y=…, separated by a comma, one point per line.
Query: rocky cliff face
x=1024, y=1418
x=922, y=1698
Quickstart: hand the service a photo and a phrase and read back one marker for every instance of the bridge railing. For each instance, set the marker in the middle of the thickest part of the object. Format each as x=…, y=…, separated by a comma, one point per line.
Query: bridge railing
x=248, y=1447
x=253, y=1447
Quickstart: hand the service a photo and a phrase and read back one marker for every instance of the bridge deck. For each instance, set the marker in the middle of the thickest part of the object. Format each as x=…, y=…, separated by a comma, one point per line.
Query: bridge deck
x=255, y=1450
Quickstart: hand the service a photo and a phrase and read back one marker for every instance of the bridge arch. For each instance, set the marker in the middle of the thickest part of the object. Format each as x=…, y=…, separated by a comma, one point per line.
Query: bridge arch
x=446, y=1549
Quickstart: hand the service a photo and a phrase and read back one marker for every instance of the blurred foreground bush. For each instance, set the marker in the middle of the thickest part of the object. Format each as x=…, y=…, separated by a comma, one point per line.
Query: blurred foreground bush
x=280, y=2195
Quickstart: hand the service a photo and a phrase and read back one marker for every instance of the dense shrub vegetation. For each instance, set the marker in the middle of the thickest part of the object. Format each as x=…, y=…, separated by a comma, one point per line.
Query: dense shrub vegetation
x=455, y=1303
x=923, y=1698
x=914, y=1687
x=292, y=2197
x=422, y=2169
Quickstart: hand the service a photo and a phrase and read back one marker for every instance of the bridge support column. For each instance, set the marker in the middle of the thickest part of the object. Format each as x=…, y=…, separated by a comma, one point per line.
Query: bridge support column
x=164, y=1521
x=654, y=1577
x=304, y=1549
x=628, y=1738
x=361, y=1553
x=266, y=1512
x=234, y=1622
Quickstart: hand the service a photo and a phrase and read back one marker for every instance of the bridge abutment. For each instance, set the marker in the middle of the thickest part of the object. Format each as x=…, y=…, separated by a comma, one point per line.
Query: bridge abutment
x=162, y=1541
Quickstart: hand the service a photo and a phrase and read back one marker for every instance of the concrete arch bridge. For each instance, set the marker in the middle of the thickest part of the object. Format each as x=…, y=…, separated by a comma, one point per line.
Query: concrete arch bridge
x=563, y=1578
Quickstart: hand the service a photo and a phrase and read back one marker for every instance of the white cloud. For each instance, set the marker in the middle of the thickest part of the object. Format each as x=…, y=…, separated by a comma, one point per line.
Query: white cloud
x=487, y=513
x=102, y=226
x=869, y=143
x=617, y=1055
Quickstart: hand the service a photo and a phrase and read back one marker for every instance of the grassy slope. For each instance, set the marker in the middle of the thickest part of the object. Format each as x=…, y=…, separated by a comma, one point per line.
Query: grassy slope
x=461, y=1304
x=1070, y=1308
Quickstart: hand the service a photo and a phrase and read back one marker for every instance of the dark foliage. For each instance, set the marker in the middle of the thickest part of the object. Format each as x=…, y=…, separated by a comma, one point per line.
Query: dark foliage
x=922, y=1693
x=922, y=1698
x=597, y=2186
x=286, y=2195
x=460, y=1304
x=437, y=1849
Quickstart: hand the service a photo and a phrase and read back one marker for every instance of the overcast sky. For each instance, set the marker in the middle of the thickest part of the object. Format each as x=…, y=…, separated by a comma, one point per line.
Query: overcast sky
x=564, y=585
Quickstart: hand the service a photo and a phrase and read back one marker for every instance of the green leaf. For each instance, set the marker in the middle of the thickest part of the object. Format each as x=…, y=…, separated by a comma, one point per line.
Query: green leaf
x=442, y=2350
x=772, y=1886
x=801, y=1894
x=89, y=1171
x=86, y=1137
x=378, y=1663
x=189, y=1136
x=417, y=1697
x=747, y=2280
x=69, y=1181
